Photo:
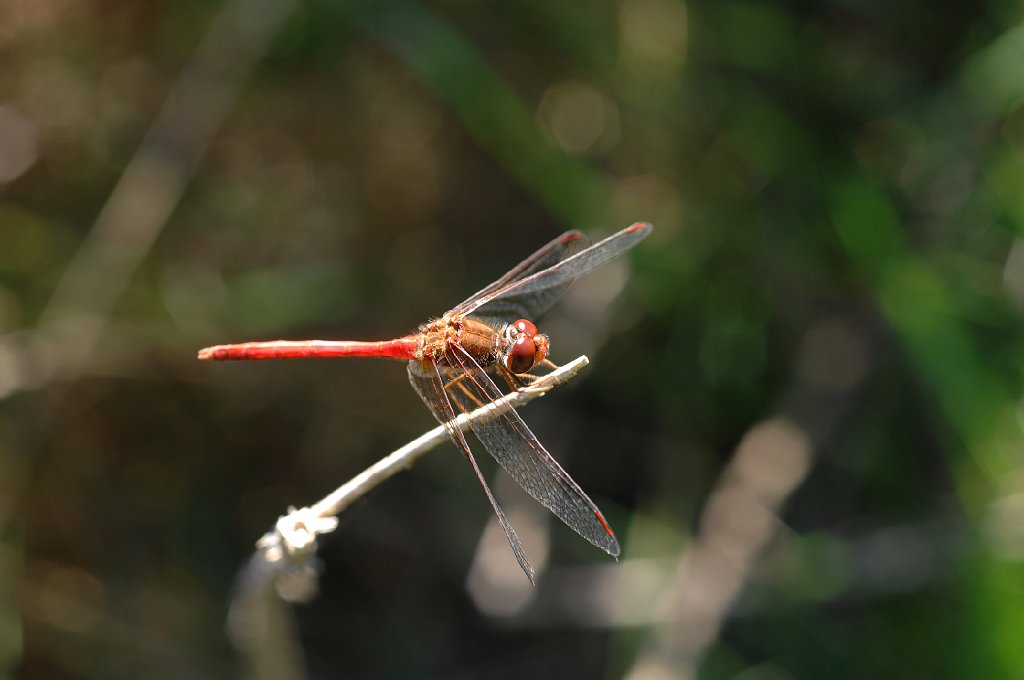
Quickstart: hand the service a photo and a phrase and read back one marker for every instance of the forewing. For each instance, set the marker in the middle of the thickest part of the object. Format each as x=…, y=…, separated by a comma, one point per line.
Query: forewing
x=564, y=246
x=518, y=451
x=429, y=384
x=532, y=294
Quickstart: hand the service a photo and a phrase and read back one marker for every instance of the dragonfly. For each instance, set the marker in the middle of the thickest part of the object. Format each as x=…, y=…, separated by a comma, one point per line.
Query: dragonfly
x=452, y=360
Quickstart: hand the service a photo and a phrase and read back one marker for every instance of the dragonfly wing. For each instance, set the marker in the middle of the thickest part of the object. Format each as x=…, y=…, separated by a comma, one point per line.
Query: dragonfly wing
x=518, y=451
x=535, y=292
x=554, y=252
x=429, y=384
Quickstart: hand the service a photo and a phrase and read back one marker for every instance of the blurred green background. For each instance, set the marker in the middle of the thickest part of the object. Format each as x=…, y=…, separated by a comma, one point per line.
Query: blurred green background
x=803, y=413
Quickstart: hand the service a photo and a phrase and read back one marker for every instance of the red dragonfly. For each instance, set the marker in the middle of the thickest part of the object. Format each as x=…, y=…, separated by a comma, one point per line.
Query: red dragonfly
x=449, y=359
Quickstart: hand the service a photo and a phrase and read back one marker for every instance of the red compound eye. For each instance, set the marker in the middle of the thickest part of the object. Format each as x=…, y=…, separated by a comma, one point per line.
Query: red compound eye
x=526, y=327
x=524, y=355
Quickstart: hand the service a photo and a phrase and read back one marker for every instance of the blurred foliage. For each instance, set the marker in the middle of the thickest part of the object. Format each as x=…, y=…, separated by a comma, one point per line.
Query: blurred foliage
x=834, y=286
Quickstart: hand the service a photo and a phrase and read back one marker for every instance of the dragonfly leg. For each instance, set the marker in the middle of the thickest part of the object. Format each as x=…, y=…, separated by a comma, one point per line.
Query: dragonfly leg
x=526, y=382
x=456, y=382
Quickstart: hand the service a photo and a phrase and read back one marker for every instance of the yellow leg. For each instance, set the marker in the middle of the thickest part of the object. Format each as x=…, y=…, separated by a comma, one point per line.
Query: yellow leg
x=457, y=382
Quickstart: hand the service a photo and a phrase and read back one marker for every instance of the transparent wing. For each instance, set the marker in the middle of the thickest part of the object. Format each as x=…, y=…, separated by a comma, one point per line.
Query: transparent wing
x=511, y=308
x=535, y=289
x=517, y=450
x=430, y=386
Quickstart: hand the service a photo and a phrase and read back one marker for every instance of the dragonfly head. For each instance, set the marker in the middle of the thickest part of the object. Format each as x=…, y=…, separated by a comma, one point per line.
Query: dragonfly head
x=526, y=348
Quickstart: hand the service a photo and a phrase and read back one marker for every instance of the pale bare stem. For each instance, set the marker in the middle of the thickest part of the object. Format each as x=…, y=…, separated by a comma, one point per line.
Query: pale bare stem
x=295, y=534
x=284, y=556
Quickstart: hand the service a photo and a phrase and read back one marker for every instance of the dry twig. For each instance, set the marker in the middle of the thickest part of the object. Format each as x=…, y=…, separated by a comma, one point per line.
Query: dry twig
x=282, y=567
